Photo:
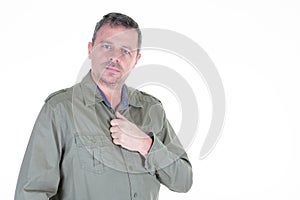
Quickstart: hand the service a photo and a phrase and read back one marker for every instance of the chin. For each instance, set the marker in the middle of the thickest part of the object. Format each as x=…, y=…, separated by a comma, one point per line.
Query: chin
x=111, y=82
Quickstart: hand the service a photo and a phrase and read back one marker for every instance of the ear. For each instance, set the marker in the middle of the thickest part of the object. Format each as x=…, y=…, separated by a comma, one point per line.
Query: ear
x=137, y=58
x=90, y=48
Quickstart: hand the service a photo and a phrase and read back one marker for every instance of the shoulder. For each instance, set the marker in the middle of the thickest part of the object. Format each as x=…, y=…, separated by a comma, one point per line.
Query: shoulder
x=58, y=96
x=148, y=97
x=138, y=96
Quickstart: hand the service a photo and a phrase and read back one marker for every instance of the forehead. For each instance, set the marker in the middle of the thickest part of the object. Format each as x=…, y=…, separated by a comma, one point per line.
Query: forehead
x=117, y=34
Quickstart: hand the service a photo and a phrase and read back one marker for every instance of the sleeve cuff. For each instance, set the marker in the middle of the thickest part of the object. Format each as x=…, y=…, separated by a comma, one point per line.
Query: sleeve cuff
x=159, y=156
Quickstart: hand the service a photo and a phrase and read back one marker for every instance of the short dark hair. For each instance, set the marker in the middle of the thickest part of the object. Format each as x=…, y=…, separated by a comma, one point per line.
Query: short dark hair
x=118, y=19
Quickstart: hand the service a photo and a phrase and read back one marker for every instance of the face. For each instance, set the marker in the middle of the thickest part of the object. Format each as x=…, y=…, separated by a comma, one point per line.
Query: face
x=114, y=54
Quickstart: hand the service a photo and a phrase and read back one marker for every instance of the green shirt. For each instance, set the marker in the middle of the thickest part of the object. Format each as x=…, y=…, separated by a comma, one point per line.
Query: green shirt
x=70, y=155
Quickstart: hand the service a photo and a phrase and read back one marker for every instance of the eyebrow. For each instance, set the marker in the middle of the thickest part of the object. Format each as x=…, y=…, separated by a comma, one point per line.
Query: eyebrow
x=106, y=41
x=123, y=46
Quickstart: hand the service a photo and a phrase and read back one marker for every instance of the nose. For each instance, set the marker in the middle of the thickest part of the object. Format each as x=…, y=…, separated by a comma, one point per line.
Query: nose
x=114, y=56
x=113, y=59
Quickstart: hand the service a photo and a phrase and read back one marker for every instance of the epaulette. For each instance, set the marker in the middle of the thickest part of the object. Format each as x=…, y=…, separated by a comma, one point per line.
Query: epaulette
x=150, y=97
x=54, y=94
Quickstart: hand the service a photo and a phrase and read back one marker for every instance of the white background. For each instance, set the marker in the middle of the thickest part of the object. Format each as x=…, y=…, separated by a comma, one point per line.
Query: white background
x=254, y=44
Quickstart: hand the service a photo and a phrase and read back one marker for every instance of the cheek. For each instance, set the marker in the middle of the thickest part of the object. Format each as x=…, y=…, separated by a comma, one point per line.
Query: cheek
x=98, y=56
x=130, y=62
x=98, y=63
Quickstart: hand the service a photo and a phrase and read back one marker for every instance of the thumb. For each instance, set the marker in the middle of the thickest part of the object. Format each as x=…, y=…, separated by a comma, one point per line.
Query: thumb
x=119, y=116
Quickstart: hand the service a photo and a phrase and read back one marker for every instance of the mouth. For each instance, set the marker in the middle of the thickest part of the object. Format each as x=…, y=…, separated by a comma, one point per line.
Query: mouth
x=112, y=69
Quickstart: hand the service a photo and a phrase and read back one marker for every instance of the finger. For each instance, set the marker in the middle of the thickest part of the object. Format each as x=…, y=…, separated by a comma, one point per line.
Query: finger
x=118, y=122
x=119, y=116
x=115, y=135
x=114, y=122
x=114, y=129
x=116, y=141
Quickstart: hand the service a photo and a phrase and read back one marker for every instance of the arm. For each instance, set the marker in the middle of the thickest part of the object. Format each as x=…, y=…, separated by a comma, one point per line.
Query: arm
x=168, y=160
x=39, y=174
x=165, y=157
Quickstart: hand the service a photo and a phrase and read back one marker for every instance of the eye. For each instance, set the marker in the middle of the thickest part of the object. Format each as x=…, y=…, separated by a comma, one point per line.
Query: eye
x=106, y=46
x=125, y=51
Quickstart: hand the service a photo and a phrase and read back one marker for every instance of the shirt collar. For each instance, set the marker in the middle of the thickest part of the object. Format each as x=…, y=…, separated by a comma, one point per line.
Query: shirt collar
x=92, y=94
x=124, y=99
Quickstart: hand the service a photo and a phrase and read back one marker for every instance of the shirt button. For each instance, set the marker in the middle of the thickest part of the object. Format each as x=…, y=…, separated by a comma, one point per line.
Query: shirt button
x=135, y=195
x=130, y=168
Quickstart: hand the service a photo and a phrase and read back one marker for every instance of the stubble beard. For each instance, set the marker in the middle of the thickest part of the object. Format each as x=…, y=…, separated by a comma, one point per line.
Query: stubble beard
x=110, y=83
x=109, y=79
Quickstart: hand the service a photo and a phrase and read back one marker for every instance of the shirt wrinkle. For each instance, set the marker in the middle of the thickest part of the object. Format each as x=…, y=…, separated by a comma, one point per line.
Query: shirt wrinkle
x=82, y=162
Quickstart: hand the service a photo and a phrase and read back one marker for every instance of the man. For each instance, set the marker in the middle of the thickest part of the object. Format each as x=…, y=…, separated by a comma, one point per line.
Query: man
x=101, y=139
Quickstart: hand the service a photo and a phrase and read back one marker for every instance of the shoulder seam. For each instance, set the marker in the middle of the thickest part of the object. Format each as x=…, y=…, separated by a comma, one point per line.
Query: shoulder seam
x=54, y=94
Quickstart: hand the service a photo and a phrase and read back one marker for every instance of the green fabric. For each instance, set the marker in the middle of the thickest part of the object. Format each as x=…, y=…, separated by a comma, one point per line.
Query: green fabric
x=70, y=155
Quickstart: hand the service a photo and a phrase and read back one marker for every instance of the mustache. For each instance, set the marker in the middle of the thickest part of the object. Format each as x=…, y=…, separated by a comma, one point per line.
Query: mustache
x=112, y=64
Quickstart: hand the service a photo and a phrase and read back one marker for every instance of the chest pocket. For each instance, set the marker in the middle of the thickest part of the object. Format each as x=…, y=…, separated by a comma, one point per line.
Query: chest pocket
x=89, y=152
x=97, y=154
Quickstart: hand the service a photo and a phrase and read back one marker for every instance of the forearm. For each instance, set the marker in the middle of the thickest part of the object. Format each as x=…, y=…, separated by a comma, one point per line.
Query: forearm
x=39, y=174
x=171, y=166
x=38, y=178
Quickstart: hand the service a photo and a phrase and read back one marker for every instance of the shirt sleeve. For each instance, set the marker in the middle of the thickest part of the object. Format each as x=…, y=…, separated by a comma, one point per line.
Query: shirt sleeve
x=168, y=160
x=39, y=174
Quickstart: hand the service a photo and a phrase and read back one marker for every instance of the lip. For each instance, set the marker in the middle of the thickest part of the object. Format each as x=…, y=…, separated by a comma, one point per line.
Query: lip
x=113, y=69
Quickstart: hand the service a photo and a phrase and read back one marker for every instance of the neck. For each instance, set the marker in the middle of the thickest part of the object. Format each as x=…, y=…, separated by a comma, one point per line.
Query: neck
x=113, y=92
x=113, y=95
